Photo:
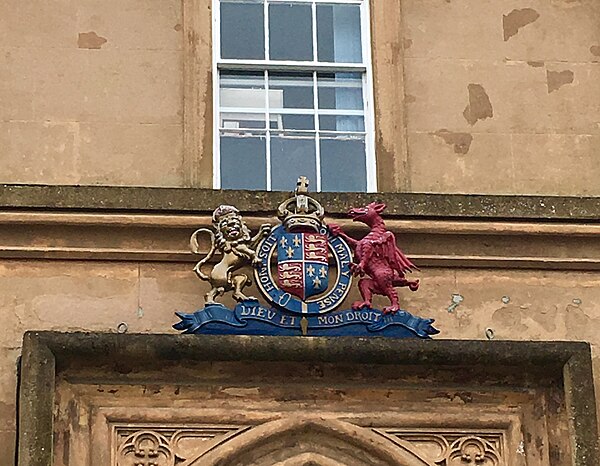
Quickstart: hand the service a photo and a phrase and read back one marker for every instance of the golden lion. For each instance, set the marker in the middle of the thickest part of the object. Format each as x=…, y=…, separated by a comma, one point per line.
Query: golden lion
x=233, y=240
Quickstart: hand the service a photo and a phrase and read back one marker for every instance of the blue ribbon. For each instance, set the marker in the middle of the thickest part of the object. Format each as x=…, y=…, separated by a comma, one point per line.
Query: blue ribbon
x=251, y=318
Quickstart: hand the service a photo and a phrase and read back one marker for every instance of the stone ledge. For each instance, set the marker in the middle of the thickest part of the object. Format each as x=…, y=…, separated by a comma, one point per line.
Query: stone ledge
x=195, y=200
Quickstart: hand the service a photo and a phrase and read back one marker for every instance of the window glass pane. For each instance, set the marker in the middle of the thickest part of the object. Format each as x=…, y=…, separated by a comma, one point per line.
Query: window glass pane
x=343, y=163
x=292, y=121
x=338, y=33
x=293, y=90
x=342, y=91
x=242, y=30
x=233, y=120
x=292, y=157
x=243, y=161
x=341, y=123
x=240, y=89
x=290, y=31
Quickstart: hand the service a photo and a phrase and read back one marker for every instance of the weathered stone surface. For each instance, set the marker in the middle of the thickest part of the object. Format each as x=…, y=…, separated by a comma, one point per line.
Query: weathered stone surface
x=37, y=25
x=139, y=25
x=536, y=70
x=572, y=163
x=461, y=162
x=88, y=96
x=260, y=202
x=276, y=370
x=70, y=295
x=35, y=152
x=131, y=154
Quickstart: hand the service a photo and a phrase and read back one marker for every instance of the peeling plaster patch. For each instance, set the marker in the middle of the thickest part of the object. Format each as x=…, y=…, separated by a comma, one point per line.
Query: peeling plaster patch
x=456, y=300
x=460, y=141
x=557, y=79
x=479, y=107
x=536, y=64
x=408, y=43
x=90, y=40
x=517, y=19
x=595, y=49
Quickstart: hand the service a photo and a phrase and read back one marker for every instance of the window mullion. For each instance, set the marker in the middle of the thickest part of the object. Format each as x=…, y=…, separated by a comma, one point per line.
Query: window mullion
x=266, y=28
x=267, y=115
x=268, y=123
x=314, y=31
x=315, y=99
x=317, y=134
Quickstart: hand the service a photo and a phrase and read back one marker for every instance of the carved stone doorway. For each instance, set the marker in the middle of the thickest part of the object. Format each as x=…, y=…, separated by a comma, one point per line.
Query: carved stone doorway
x=161, y=400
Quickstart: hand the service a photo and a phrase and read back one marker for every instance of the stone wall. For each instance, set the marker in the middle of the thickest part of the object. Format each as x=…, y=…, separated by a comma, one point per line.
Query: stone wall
x=503, y=97
x=91, y=92
x=470, y=96
x=501, y=267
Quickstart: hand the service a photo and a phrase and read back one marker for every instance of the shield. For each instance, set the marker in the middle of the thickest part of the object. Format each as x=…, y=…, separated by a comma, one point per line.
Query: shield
x=302, y=265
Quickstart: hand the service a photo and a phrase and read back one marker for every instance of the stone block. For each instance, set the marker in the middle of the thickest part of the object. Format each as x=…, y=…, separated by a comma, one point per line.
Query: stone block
x=502, y=97
x=460, y=162
x=17, y=96
x=8, y=440
x=164, y=289
x=564, y=30
x=131, y=154
x=92, y=296
x=560, y=164
x=38, y=152
x=38, y=24
x=130, y=24
x=466, y=29
x=125, y=86
x=456, y=30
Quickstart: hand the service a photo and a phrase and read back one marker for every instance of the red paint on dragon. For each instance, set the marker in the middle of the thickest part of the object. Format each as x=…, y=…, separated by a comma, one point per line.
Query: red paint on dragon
x=377, y=256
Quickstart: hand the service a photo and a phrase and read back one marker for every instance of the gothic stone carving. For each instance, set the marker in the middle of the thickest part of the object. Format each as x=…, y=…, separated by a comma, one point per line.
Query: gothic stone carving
x=453, y=449
x=294, y=441
x=151, y=445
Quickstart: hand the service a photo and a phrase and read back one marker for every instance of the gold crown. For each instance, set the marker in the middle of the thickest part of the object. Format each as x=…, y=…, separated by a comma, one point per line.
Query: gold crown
x=301, y=212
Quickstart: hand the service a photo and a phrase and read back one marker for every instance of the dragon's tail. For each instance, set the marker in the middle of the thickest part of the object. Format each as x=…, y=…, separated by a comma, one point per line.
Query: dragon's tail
x=195, y=247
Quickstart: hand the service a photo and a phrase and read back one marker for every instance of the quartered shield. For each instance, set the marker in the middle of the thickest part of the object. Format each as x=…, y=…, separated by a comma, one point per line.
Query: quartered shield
x=302, y=264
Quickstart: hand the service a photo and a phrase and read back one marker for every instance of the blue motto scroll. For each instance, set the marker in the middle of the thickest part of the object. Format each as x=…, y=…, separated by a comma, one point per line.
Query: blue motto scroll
x=251, y=318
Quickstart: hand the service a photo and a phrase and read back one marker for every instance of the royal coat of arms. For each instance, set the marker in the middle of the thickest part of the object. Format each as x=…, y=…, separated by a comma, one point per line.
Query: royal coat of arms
x=304, y=269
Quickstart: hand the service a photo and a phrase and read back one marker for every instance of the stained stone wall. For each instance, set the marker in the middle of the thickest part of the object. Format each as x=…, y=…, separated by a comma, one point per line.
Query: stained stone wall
x=470, y=95
x=503, y=96
x=91, y=92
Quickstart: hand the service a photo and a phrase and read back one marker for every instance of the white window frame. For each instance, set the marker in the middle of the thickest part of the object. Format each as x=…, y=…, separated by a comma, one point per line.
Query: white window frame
x=365, y=68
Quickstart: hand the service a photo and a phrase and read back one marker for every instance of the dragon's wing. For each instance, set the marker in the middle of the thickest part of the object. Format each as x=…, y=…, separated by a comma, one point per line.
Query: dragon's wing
x=394, y=256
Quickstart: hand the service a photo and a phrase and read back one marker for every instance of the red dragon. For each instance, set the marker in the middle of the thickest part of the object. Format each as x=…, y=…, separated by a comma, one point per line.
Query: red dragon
x=377, y=256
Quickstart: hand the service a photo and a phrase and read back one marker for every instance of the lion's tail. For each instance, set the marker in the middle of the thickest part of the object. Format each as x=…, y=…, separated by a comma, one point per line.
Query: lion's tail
x=195, y=247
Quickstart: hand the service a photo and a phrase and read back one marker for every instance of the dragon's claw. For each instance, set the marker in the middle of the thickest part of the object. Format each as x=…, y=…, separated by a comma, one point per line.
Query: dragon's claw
x=358, y=305
x=390, y=309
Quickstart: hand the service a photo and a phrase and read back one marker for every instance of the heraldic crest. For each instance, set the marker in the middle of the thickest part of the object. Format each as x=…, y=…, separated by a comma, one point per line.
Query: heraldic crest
x=304, y=269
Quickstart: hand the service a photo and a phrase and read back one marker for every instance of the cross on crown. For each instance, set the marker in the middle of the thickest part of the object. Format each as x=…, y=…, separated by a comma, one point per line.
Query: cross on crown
x=301, y=212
